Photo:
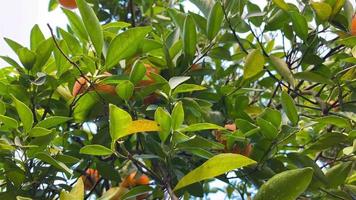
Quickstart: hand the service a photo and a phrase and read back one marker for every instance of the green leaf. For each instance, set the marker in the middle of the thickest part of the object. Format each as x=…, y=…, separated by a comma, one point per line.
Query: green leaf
x=77, y=192
x=334, y=120
x=117, y=25
x=189, y=38
x=300, y=24
x=287, y=185
x=43, y=52
x=119, y=121
x=187, y=88
x=136, y=191
x=253, y=63
x=177, y=80
x=273, y=116
x=201, y=127
x=164, y=121
x=45, y=157
x=96, y=150
x=27, y=57
x=8, y=122
x=337, y=6
x=177, y=17
x=312, y=77
x=215, y=166
x=215, y=20
x=289, y=108
x=338, y=174
x=327, y=140
x=177, y=116
x=281, y=4
x=13, y=63
x=137, y=73
x=2, y=108
x=39, y=132
x=92, y=25
x=52, y=5
x=302, y=160
x=204, y=6
x=267, y=128
x=76, y=24
x=25, y=114
x=14, y=45
x=322, y=10
x=125, y=45
x=71, y=41
x=125, y=89
x=53, y=121
x=36, y=37
x=195, y=141
x=282, y=68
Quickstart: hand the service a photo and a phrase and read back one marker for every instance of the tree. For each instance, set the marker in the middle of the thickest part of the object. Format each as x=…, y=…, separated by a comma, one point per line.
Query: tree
x=142, y=99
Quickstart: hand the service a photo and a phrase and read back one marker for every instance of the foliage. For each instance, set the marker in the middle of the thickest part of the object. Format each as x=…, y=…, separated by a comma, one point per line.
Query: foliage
x=149, y=92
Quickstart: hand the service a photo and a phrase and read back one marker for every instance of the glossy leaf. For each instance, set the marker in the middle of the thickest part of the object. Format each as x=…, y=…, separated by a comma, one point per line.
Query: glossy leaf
x=76, y=24
x=119, y=121
x=52, y=121
x=281, y=4
x=137, y=73
x=322, y=10
x=125, y=45
x=27, y=57
x=287, y=185
x=92, y=25
x=215, y=166
x=8, y=122
x=177, y=116
x=187, y=88
x=125, y=89
x=96, y=150
x=39, y=132
x=215, y=20
x=164, y=121
x=25, y=114
x=189, y=38
x=300, y=25
x=36, y=37
x=200, y=127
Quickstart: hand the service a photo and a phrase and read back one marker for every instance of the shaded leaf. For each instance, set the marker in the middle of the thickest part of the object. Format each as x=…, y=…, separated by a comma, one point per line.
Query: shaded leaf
x=253, y=63
x=289, y=108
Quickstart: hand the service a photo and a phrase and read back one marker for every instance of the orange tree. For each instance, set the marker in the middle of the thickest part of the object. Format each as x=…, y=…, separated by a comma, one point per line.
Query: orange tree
x=142, y=99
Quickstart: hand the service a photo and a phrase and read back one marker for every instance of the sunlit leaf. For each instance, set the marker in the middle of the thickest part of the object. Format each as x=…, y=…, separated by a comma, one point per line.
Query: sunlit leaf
x=215, y=166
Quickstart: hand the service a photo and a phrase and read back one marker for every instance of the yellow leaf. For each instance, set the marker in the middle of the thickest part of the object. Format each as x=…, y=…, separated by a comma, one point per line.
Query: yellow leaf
x=141, y=125
x=77, y=192
x=114, y=193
